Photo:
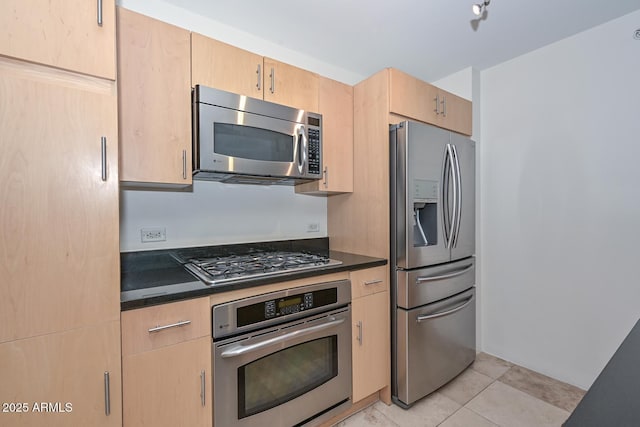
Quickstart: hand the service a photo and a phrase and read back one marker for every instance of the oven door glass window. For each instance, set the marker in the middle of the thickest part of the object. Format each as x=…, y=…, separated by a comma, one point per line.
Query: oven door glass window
x=280, y=377
x=246, y=142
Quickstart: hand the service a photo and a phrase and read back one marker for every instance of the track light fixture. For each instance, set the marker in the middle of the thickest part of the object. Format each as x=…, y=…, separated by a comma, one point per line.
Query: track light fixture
x=478, y=8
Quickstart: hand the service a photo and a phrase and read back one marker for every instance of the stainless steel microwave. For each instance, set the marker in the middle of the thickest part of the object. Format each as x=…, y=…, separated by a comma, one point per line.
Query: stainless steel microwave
x=238, y=139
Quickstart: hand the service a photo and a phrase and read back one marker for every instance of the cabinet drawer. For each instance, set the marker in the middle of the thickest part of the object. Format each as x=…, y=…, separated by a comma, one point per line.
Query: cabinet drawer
x=159, y=326
x=369, y=281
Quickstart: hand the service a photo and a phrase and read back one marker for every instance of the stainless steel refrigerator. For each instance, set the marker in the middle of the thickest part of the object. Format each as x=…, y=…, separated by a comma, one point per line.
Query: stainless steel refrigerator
x=432, y=263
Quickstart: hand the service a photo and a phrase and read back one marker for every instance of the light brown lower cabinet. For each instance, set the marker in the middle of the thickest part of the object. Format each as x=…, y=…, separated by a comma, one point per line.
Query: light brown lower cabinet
x=370, y=344
x=61, y=379
x=169, y=386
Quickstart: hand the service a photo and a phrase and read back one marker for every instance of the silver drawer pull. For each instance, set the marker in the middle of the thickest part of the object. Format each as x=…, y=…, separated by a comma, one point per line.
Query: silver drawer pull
x=444, y=276
x=173, y=325
x=373, y=282
x=445, y=313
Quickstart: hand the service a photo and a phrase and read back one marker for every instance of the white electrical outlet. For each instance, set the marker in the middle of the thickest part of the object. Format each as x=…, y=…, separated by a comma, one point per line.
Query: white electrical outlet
x=153, y=235
x=313, y=227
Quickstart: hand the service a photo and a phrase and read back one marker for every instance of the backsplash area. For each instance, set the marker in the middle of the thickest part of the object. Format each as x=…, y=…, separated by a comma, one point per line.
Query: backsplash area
x=216, y=213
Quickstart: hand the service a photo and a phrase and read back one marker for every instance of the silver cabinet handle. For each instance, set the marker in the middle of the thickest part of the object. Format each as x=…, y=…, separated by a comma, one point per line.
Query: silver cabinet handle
x=359, y=325
x=437, y=100
x=444, y=276
x=184, y=164
x=259, y=73
x=444, y=106
x=100, y=13
x=173, y=325
x=202, y=387
x=445, y=313
x=103, y=149
x=273, y=80
x=325, y=172
x=107, y=397
x=373, y=282
x=243, y=349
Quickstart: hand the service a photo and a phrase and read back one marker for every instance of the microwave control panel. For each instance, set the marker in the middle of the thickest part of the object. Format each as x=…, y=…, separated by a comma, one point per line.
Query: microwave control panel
x=313, y=136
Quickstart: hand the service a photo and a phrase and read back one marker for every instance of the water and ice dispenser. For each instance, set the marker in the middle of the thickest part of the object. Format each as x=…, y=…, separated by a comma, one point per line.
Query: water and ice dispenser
x=425, y=212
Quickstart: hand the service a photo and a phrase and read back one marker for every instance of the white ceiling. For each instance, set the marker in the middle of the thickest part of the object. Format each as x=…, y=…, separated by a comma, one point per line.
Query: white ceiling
x=427, y=38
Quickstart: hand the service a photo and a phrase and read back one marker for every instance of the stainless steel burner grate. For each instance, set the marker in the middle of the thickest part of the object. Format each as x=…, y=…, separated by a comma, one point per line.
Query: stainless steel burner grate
x=224, y=269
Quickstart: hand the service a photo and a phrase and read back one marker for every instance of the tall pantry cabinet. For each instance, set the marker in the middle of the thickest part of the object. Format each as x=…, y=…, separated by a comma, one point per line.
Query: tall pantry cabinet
x=59, y=251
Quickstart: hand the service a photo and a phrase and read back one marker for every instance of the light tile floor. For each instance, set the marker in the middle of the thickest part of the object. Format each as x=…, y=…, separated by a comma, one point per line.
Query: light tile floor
x=490, y=393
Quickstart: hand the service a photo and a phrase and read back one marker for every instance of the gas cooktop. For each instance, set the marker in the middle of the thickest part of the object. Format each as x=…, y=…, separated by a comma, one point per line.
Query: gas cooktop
x=215, y=270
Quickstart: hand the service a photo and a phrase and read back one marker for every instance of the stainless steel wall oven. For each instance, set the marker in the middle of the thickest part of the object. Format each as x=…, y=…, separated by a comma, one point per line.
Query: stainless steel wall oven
x=283, y=358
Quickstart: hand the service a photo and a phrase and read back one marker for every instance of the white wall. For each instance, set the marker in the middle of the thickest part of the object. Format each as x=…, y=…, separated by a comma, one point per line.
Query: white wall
x=560, y=214
x=216, y=213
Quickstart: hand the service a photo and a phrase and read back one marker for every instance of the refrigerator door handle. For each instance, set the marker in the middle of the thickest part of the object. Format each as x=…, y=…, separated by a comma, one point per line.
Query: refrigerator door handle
x=451, y=219
x=445, y=313
x=457, y=273
x=458, y=199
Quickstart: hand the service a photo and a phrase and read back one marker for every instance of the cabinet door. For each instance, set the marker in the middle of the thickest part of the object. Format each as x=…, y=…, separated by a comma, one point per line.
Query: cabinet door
x=289, y=85
x=170, y=386
x=369, y=281
x=154, y=93
x=336, y=106
x=67, y=372
x=412, y=98
x=59, y=253
x=62, y=33
x=370, y=346
x=454, y=113
x=222, y=66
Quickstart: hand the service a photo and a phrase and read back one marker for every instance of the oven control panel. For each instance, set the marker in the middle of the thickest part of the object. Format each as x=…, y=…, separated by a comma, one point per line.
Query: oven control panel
x=288, y=305
x=270, y=309
x=284, y=306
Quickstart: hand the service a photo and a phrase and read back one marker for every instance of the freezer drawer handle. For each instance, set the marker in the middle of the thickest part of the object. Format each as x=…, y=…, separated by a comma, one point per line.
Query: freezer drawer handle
x=243, y=349
x=444, y=276
x=445, y=313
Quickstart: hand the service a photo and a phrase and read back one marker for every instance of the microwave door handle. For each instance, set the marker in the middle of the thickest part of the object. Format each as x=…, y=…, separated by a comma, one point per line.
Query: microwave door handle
x=301, y=149
x=244, y=349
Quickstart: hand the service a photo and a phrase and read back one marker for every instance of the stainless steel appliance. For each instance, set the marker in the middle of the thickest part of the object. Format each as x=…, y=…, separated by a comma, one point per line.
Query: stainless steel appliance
x=283, y=358
x=238, y=139
x=432, y=264
x=214, y=270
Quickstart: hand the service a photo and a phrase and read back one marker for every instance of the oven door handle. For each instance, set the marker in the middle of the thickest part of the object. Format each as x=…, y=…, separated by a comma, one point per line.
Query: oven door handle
x=244, y=349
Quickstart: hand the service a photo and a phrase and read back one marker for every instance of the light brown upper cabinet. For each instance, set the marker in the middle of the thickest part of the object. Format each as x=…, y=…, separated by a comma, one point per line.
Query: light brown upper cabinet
x=229, y=68
x=222, y=66
x=76, y=35
x=336, y=107
x=418, y=100
x=154, y=98
x=289, y=85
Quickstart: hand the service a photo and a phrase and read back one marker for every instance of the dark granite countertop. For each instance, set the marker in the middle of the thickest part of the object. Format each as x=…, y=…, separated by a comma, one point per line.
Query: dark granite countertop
x=612, y=400
x=157, y=277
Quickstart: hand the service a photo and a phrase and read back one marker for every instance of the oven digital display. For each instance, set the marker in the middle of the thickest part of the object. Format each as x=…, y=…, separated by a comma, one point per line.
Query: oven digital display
x=289, y=302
